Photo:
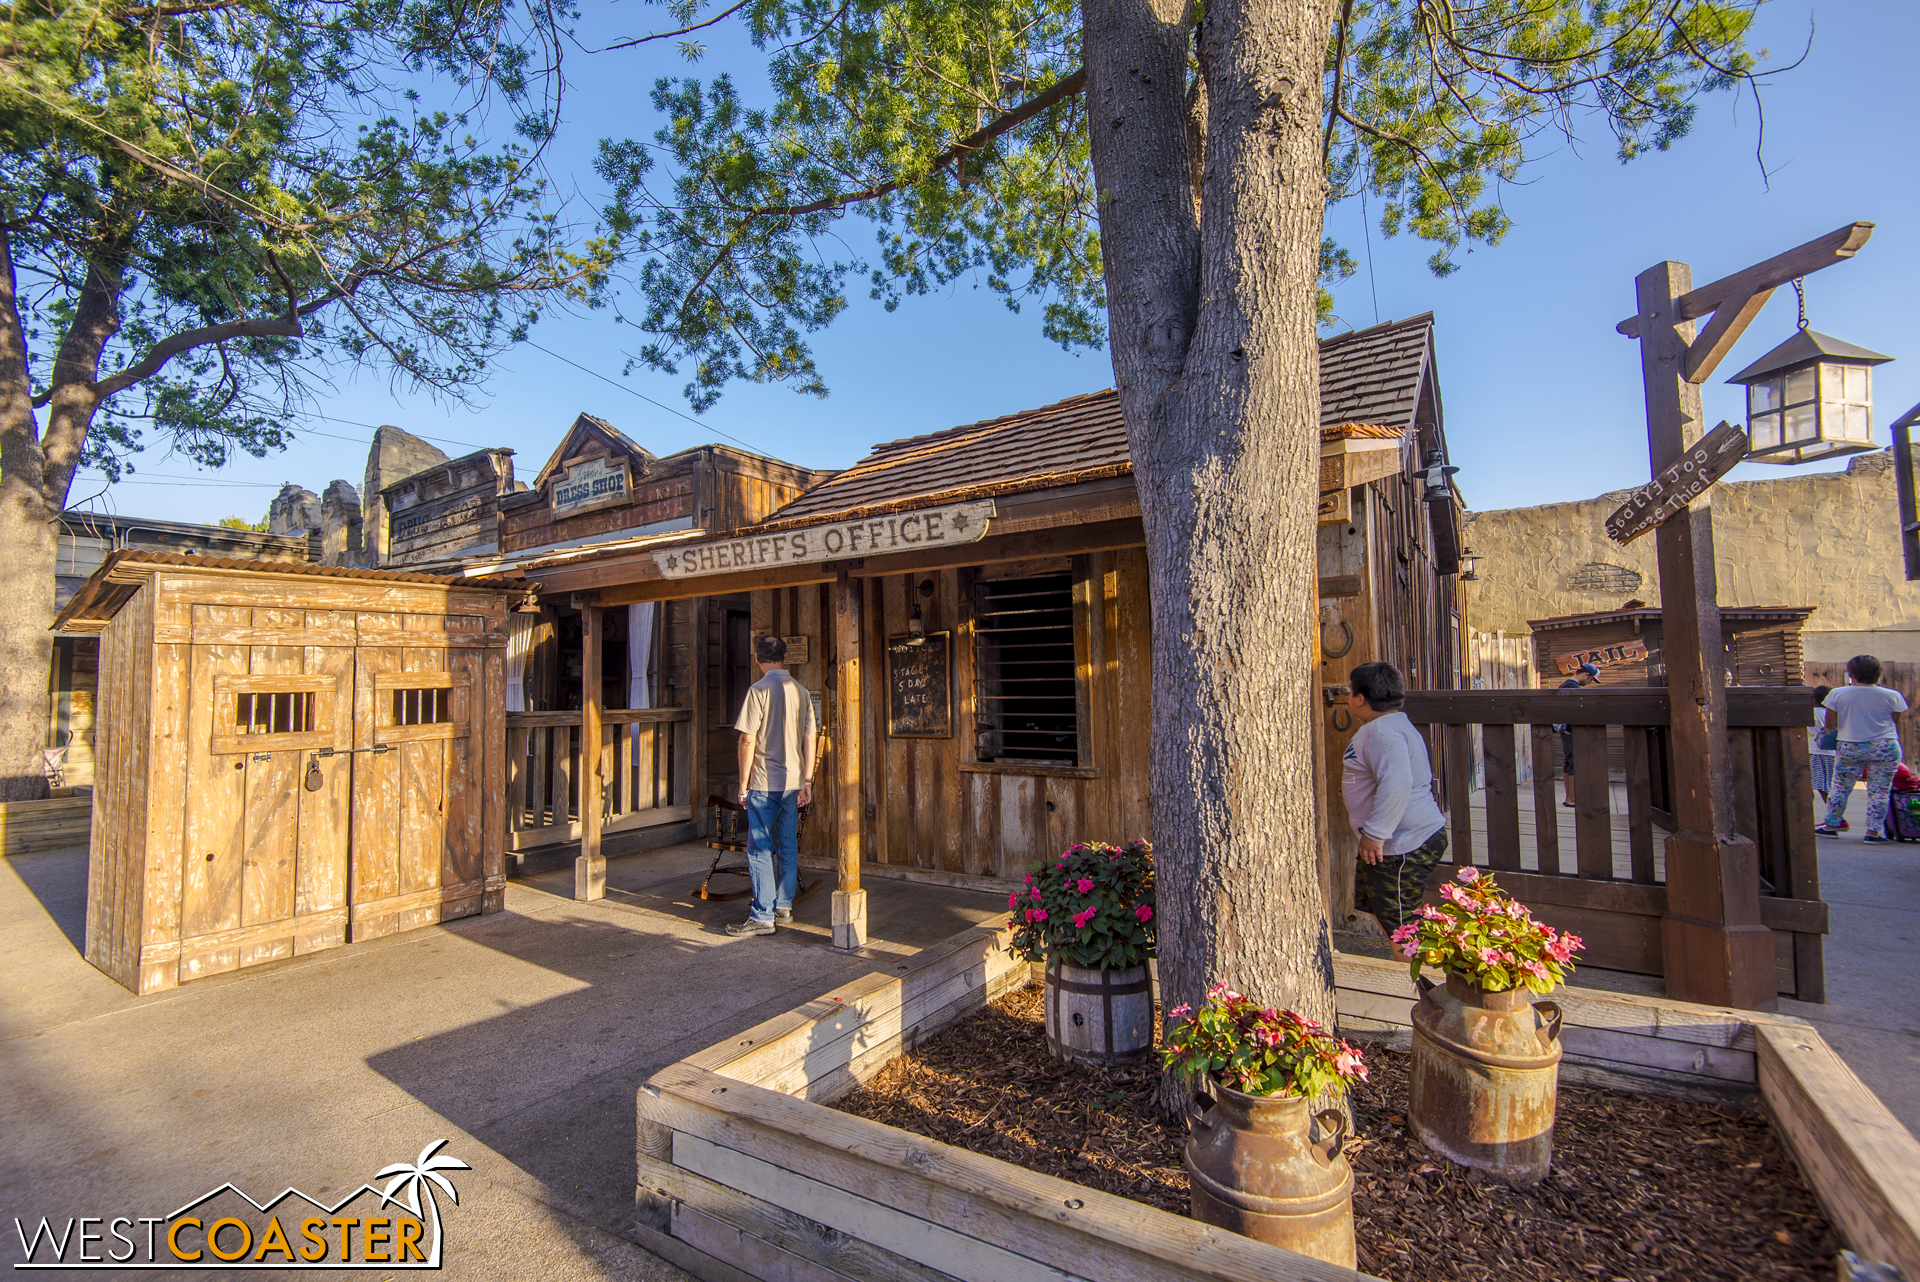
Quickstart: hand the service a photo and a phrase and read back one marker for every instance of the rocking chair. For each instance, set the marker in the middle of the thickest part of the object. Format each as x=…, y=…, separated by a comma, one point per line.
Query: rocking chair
x=730, y=834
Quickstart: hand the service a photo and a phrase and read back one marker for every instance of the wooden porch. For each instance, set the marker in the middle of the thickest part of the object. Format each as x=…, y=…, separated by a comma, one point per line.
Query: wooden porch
x=645, y=773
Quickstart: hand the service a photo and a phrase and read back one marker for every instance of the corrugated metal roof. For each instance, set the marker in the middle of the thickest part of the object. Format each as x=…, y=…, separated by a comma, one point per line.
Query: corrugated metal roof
x=1369, y=386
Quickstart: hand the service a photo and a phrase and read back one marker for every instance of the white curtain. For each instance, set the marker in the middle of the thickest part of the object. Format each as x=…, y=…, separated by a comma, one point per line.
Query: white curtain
x=639, y=654
x=519, y=647
x=639, y=657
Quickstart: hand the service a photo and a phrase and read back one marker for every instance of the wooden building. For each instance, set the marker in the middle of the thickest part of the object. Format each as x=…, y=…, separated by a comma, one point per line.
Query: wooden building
x=1763, y=645
x=85, y=540
x=292, y=758
x=665, y=678
x=972, y=609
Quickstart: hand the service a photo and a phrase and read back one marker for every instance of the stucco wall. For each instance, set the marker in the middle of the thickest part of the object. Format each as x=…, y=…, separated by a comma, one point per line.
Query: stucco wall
x=1825, y=539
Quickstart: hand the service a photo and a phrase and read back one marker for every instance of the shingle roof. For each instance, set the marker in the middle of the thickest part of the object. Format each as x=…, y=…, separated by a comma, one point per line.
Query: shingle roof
x=1369, y=386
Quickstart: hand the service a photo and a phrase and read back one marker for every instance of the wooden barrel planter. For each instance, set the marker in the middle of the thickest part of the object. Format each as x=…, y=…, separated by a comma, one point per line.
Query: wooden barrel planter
x=1098, y=1016
x=1257, y=1171
x=1486, y=1075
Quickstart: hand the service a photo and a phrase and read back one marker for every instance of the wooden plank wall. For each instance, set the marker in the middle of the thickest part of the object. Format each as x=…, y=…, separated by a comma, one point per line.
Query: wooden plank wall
x=118, y=895
x=936, y=810
x=1904, y=677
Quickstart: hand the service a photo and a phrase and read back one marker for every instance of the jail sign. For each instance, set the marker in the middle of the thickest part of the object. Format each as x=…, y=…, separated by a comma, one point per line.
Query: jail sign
x=914, y=531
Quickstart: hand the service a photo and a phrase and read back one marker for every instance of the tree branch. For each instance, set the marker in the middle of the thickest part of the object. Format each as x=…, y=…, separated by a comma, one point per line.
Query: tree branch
x=167, y=348
x=668, y=35
x=1067, y=88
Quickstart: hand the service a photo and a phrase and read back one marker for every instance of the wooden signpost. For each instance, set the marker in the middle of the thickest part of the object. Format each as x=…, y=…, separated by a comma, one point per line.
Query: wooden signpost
x=589, y=485
x=1706, y=461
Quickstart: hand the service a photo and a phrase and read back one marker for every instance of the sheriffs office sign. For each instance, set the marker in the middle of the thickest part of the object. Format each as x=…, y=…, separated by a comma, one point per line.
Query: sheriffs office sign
x=590, y=484
x=838, y=541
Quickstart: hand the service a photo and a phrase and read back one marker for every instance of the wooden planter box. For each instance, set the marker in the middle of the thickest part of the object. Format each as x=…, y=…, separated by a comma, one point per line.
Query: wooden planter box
x=743, y=1173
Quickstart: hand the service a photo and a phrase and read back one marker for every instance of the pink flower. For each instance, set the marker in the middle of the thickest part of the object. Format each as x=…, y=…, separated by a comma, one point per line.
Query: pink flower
x=1029, y=881
x=1035, y=892
x=1469, y=874
x=1013, y=900
x=1535, y=969
x=1516, y=910
x=1427, y=912
x=1491, y=956
x=1453, y=894
x=1143, y=912
x=1081, y=919
x=1181, y=1011
x=1405, y=933
x=1036, y=914
x=1349, y=1064
x=1084, y=885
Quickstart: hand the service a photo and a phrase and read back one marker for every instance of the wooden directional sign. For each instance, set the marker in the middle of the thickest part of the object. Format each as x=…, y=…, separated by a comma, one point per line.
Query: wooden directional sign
x=1706, y=461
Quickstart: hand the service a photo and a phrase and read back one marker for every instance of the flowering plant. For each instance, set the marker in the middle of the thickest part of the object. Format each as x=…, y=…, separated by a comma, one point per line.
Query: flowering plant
x=1259, y=1052
x=1484, y=935
x=1091, y=907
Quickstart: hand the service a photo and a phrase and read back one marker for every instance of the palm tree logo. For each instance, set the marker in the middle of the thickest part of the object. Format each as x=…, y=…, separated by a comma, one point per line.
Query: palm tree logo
x=420, y=1176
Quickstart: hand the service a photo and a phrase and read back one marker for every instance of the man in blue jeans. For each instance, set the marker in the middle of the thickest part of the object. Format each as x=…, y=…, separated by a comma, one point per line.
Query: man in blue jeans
x=777, y=739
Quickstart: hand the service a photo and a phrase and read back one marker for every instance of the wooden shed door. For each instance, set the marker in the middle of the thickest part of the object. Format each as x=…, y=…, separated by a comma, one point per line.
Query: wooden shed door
x=264, y=868
x=418, y=845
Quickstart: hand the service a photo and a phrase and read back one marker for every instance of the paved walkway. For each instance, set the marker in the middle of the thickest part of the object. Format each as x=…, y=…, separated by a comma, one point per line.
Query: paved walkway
x=519, y=1037
x=1872, y=1012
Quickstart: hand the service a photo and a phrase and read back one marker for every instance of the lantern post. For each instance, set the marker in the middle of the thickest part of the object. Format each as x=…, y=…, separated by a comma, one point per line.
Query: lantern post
x=1717, y=950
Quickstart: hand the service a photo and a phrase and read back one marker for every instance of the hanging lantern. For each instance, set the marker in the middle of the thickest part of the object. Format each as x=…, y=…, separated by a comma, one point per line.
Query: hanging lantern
x=1809, y=398
x=1467, y=560
x=1436, y=476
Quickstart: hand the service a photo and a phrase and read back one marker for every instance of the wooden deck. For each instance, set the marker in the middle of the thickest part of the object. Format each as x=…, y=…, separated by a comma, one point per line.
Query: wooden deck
x=1529, y=839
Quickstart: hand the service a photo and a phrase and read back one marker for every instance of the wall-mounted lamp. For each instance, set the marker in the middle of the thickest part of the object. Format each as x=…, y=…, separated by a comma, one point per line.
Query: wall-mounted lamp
x=916, y=627
x=529, y=604
x=1467, y=559
x=1436, y=475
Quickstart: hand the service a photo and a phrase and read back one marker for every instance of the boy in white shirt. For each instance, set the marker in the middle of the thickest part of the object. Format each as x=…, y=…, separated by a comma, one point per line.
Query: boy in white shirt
x=1387, y=783
x=1869, y=745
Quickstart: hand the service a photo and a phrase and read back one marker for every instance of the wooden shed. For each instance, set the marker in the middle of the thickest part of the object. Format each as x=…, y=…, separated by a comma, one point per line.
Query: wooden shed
x=291, y=758
x=1763, y=645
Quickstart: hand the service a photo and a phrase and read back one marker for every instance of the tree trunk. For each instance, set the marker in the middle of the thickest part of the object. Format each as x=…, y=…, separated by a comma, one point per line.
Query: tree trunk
x=26, y=583
x=1212, y=326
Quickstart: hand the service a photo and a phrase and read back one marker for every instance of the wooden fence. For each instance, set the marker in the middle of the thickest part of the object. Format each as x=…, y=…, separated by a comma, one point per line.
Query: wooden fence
x=1611, y=887
x=1904, y=677
x=646, y=763
x=1497, y=661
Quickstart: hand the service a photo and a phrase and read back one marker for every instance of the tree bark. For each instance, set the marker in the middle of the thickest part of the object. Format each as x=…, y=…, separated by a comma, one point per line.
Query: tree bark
x=1212, y=327
x=26, y=532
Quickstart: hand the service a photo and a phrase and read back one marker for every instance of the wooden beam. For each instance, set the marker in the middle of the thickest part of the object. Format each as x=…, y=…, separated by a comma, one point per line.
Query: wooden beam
x=849, y=901
x=1837, y=245
x=643, y=581
x=590, y=866
x=1722, y=332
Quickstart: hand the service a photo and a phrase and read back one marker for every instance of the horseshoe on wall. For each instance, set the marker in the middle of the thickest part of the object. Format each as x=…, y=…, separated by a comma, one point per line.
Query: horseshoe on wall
x=1341, y=726
x=1346, y=630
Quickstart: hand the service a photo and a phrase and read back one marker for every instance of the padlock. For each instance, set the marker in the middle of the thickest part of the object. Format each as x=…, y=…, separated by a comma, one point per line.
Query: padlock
x=313, y=781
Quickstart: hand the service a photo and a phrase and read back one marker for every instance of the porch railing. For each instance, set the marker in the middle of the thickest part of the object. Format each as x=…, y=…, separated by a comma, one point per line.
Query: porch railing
x=646, y=769
x=1609, y=883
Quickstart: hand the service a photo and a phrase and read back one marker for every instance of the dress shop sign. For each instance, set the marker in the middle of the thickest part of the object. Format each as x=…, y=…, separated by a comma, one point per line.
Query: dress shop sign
x=1706, y=461
x=589, y=485
x=914, y=531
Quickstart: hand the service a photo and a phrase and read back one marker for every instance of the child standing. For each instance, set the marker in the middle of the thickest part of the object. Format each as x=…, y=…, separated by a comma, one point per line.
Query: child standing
x=1387, y=782
x=1869, y=745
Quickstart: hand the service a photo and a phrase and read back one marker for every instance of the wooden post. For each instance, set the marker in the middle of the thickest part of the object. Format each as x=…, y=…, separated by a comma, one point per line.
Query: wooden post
x=849, y=901
x=1716, y=951
x=590, y=866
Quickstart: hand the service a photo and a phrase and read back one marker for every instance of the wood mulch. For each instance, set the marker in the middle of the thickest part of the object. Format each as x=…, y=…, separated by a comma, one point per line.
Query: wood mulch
x=1642, y=1187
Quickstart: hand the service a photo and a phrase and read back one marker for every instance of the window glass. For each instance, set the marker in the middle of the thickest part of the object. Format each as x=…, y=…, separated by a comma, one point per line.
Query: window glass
x=1025, y=696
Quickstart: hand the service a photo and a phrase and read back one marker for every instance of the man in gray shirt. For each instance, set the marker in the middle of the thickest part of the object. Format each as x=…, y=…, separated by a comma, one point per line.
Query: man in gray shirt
x=1387, y=783
x=777, y=740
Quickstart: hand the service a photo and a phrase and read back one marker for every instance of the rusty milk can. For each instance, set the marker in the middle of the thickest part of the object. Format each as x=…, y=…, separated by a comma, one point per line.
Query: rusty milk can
x=1486, y=1071
x=1256, y=1170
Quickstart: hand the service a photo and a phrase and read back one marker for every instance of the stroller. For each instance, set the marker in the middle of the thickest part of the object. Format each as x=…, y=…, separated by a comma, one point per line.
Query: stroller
x=1903, y=806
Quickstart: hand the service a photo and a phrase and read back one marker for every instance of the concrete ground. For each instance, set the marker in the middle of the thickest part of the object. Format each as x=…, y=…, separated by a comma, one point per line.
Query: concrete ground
x=1872, y=1012
x=520, y=1038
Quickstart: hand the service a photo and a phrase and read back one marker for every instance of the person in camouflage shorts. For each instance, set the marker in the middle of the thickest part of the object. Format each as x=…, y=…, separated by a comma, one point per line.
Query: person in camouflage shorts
x=1386, y=781
x=1393, y=888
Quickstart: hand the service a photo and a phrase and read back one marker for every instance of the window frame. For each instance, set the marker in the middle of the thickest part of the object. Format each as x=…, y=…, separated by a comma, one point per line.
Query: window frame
x=227, y=739
x=1081, y=585
x=459, y=710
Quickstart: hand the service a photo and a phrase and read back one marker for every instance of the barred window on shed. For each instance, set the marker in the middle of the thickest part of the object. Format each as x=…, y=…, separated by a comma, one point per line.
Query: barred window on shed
x=1026, y=705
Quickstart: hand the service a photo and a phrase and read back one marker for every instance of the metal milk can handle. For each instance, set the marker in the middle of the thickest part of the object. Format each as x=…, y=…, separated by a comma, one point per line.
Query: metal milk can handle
x=1555, y=1016
x=1335, y=1122
x=1426, y=987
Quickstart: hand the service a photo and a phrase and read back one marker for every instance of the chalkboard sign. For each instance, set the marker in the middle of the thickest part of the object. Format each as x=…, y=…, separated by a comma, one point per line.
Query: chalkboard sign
x=919, y=687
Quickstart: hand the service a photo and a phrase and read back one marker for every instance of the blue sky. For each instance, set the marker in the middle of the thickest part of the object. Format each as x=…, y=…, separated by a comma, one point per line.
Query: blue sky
x=1543, y=400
